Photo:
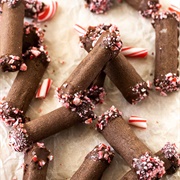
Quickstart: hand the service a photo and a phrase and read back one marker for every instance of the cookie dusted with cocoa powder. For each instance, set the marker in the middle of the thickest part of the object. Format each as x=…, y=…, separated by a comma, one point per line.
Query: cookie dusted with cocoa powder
x=11, y=35
x=94, y=163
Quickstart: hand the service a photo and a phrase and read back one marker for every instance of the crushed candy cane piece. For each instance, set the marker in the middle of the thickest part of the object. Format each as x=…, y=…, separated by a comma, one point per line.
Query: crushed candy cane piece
x=44, y=88
x=138, y=122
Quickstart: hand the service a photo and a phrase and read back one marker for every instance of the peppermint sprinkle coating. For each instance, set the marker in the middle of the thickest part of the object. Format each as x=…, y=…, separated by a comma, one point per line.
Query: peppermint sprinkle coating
x=167, y=83
x=11, y=116
x=35, y=52
x=32, y=36
x=33, y=8
x=93, y=33
x=148, y=167
x=170, y=152
x=11, y=3
x=80, y=103
x=109, y=115
x=99, y=6
x=153, y=7
x=18, y=138
x=140, y=92
x=102, y=152
x=10, y=63
x=96, y=94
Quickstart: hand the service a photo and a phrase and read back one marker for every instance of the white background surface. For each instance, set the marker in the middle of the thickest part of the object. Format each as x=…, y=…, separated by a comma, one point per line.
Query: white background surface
x=70, y=146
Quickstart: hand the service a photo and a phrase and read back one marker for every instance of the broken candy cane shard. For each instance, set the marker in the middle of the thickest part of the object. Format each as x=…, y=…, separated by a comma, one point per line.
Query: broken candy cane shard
x=81, y=31
x=138, y=121
x=36, y=160
x=44, y=88
x=11, y=35
x=49, y=10
x=175, y=9
x=166, y=78
x=94, y=163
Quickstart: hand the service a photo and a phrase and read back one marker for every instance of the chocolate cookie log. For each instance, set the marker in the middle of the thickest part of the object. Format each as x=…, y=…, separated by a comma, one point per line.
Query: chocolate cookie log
x=78, y=108
x=108, y=46
x=11, y=35
x=24, y=87
x=166, y=60
x=145, y=7
x=126, y=79
x=125, y=142
x=94, y=164
x=36, y=162
x=168, y=154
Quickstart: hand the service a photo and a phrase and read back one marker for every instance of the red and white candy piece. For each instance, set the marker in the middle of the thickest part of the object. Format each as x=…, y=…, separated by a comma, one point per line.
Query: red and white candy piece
x=44, y=88
x=49, y=11
x=174, y=8
x=134, y=52
x=127, y=51
x=138, y=122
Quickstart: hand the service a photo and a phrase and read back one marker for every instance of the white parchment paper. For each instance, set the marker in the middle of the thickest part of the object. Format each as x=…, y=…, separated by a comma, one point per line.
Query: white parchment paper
x=70, y=146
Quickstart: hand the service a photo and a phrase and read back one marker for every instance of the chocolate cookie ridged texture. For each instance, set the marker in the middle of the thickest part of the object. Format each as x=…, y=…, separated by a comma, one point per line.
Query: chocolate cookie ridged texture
x=94, y=163
x=166, y=77
x=24, y=87
x=11, y=35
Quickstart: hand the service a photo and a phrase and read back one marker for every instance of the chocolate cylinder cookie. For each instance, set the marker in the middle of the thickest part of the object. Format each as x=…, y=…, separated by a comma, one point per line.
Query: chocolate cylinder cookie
x=11, y=35
x=94, y=163
x=166, y=60
x=108, y=46
x=36, y=162
x=168, y=154
x=146, y=7
x=24, y=87
x=77, y=108
x=125, y=142
x=126, y=79
x=119, y=70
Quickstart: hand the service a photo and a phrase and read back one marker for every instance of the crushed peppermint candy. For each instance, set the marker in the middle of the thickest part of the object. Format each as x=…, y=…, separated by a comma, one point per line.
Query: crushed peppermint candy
x=167, y=83
x=32, y=36
x=35, y=52
x=109, y=115
x=153, y=7
x=99, y=6
x=91, y=36
x=11, y=116
x=147, y=167
x=18, y=138
x=33, y=8
x=102, y=152
x=11, y=3
x=139, y=91
x=81, y=102
x=170, y=152
x=10, y=63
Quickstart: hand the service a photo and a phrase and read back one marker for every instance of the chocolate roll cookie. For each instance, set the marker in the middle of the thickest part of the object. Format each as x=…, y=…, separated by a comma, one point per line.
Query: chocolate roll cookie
x=24, y=87
x=166, y=78
x=125, y=142
x=168, y=154
x=36, y=160
x=119, y=70
x=94, y=164
x=146, y=7
x=11, y=35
